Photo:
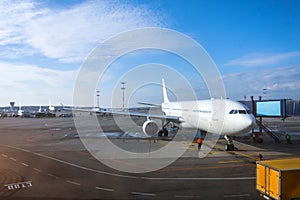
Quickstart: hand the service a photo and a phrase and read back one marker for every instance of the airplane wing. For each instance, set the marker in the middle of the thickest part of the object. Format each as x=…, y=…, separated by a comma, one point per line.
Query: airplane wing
x=174, y=119
x=149, y=104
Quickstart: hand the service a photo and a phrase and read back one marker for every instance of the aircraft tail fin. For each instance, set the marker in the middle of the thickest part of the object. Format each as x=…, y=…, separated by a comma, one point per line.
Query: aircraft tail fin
x=166, y=99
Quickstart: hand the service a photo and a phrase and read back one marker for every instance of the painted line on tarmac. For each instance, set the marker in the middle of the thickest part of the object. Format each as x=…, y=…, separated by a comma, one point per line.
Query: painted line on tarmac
x=216, y=152
x=204, y=167
x=204, y=178
x=24, y=164
x=129, y=176
x=219, y=146
x=105, y=189
x=4, y=155
x=143, y=194
x=236, y=195
x=38, y=170
x=187, y=196
x=230, y=161
x=51, y=175
x=73, y=165
x=122, y=162
x=245, y=155
x=13, y=159
x=73, y=183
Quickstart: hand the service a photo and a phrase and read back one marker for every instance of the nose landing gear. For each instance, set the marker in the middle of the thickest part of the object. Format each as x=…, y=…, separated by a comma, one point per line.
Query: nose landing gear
x=229, y=146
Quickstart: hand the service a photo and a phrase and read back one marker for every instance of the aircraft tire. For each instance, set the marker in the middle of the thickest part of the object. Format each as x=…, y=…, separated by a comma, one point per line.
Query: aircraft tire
x=260, y=140
x=166, y=133
x=229, y=147
x=160, y=133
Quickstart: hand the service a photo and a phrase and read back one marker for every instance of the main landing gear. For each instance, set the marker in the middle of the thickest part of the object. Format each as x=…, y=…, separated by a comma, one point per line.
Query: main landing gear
x=166, y=127
x=229, y=146
x=163, y=132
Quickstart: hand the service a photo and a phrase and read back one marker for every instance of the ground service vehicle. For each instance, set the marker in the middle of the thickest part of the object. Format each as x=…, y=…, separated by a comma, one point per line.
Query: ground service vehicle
x=278, y=179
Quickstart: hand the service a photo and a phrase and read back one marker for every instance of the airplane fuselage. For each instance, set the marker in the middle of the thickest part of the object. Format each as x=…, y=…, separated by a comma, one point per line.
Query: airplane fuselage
x=219, y=116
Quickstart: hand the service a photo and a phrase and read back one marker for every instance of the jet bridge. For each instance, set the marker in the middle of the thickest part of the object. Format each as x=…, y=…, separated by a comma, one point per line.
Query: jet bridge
x=275, y=108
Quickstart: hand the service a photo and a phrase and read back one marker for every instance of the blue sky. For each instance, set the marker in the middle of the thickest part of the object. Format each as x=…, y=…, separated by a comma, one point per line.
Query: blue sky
x=255, y=45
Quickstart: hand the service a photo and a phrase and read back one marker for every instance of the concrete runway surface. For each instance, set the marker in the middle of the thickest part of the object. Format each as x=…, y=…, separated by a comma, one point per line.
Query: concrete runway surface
x=45, y=159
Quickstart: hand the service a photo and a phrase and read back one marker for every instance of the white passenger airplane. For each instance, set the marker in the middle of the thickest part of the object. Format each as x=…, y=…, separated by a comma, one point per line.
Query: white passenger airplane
x=20, y=111
x=216, y=116
x=51, y=108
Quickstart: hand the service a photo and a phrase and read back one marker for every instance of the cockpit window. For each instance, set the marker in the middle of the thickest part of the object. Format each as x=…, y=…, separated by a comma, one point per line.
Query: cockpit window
x=233, y=112
x=240, y=112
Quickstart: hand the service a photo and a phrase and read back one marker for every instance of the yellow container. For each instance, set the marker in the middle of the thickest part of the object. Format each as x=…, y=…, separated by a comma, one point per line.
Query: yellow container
x=278, y=179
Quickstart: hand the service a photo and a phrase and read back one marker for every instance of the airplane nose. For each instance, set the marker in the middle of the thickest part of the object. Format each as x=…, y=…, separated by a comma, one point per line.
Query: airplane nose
x=243, y=124
x=251, y=122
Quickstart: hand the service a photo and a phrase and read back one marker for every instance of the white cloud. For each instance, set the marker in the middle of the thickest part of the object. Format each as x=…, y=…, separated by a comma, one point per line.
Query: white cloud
x=259, y=59
x=11, y=73
x=30, y=30
x=281, y=82
x=68, y=34
x=13, y=16
x=32, y=85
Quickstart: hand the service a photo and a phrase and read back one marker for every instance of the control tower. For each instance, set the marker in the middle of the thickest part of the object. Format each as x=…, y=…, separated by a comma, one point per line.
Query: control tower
x=12, y=104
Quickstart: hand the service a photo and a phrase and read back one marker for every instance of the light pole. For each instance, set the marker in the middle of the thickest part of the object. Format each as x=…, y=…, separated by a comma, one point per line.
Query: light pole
x=123, y=89
x=265, y=93
x=98, y=100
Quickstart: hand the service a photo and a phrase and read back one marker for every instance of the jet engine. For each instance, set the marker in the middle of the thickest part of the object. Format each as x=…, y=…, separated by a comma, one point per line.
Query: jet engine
x=150, y=127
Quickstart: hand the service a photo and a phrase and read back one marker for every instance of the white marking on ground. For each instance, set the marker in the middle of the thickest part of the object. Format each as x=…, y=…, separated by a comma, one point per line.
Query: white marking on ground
x=75, y=165
x=236, y=195
x=105, y=189
x=36, y=169
x=53, y=176
x=27, y=151
x=201, y=178
x=143, y=194
x=5, y=156
x=72, y=182
x=19, y=185
x=186, y=196
x=13, y=159
x=24, y=164
x=128, y=176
